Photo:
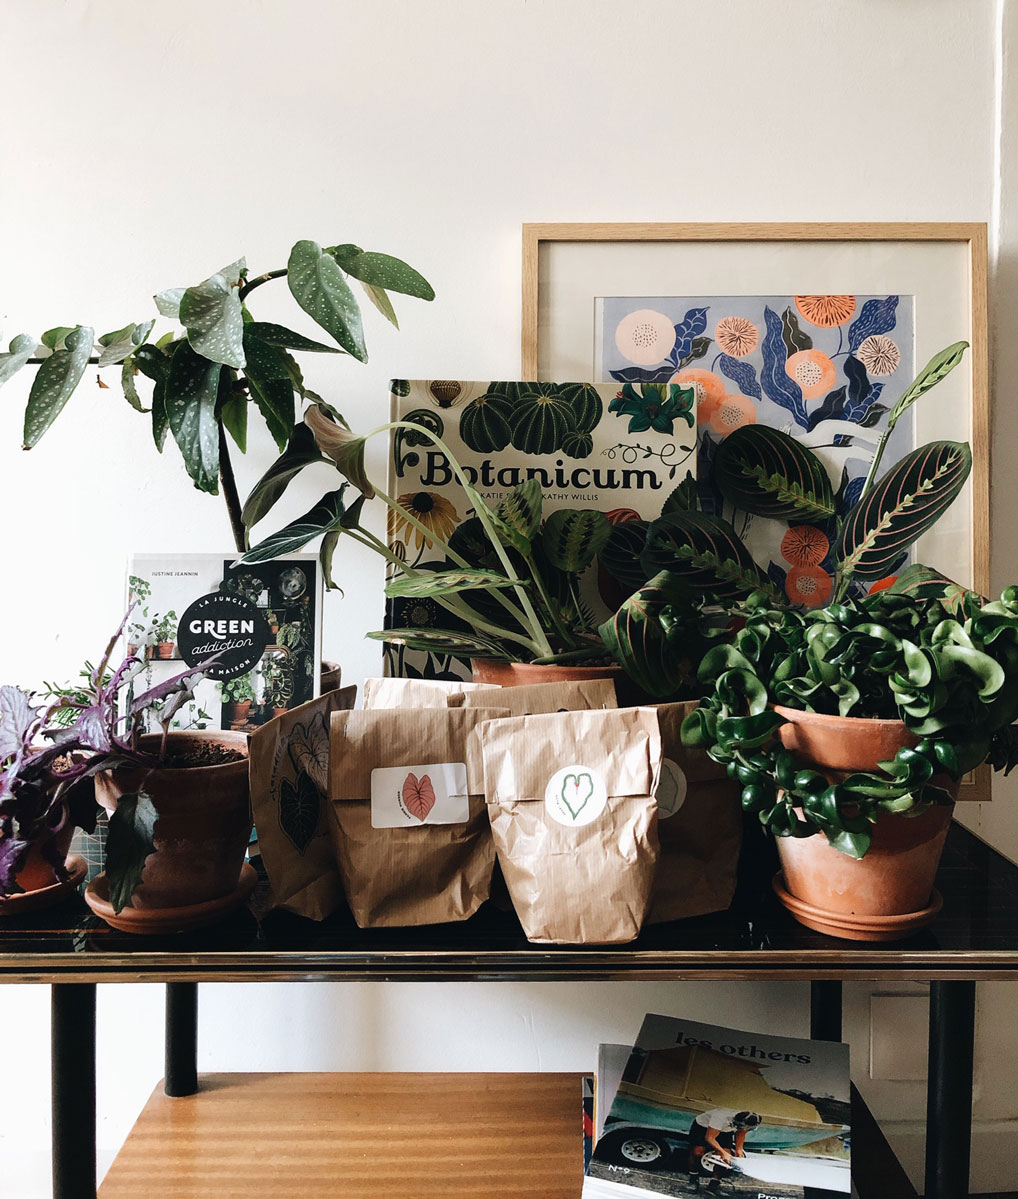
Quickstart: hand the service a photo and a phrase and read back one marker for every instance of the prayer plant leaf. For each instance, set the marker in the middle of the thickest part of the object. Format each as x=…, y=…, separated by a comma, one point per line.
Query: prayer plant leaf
x=128, y=844
x=55, y=381
x=192, y=388
x=907, y=501
x=638, y=641
x=441, y=641
x=764, y=471
x=212, y=314
x=325, y=516
x=938, y=368
x=319, y=286
x=572, y=538
x=705, y=552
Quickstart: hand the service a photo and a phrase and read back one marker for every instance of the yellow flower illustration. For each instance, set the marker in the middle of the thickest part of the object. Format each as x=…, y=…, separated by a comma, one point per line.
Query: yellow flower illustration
x=433, y=511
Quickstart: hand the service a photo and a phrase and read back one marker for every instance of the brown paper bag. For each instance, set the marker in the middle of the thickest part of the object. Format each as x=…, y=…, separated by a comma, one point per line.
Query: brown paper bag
x=699, y=827
x=573, y=817
x=418, y=693
x=393, y=775
x=289, y=772
x=534, y=698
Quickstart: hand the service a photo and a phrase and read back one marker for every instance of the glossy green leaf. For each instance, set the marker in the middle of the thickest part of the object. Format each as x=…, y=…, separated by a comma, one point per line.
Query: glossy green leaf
x=121, y=344
x=637, y=640
x=382, y=270
x=768, y=473
x=301, y=450
x=212, y=314
x=285, y=339
x=326, y=556
x=907, y=501
x=268, y=373
x=320, y=288
x=192, y=388
x=55, y=381
x=129, y=842
x=572, y=538
x=925, y=583
x=22, y=348
x=325, y=516
x=446, y=582
x=706, y=552
x=233, y=414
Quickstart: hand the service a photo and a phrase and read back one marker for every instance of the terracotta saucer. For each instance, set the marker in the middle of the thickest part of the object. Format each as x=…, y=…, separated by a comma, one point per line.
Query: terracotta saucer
x=46, y=897
x=155, y=921
x=856, y=928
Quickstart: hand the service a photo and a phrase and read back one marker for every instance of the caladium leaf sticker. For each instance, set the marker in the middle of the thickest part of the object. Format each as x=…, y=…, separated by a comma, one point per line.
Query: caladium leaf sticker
x=299, y=810
x=308, y=748
x=576, y=791
x=418, y=795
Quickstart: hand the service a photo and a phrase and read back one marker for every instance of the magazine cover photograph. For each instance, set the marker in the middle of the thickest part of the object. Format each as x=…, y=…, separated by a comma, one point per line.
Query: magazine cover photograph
x=701, y=1110
x=176, y=607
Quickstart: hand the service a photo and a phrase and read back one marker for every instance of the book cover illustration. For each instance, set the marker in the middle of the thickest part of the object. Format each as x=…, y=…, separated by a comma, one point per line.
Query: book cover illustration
x=618, y=448
x=263, y=621
x=708, y=1110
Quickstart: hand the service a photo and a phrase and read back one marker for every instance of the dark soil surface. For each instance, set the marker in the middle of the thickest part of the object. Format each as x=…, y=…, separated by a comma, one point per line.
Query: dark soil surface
x=200, y=753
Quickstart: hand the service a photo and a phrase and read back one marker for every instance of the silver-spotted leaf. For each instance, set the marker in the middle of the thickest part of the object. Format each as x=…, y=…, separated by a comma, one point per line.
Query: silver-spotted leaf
x=121, y=344
x=213, y=316
x=319, y=286
x=192, y=386
x=55, y=381
x=22, y=348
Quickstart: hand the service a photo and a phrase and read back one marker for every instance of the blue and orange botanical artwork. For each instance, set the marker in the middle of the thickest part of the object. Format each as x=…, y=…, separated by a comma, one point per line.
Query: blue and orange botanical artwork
x=825, y=369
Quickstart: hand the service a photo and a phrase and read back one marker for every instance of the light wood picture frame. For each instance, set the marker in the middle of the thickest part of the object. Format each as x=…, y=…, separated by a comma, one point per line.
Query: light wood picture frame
x=569, y=269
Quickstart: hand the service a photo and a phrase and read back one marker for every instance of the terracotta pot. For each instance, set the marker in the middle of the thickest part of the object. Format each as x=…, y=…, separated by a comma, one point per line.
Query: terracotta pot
x=164, y=649
x=236, y=710
x=887, y=892
x=36, y=872
x=282, y=711
x=204, y=822
x=518, y=674
x=331, y=676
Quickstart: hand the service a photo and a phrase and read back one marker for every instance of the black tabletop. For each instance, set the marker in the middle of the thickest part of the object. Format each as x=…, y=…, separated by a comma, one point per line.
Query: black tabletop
x=975, y=936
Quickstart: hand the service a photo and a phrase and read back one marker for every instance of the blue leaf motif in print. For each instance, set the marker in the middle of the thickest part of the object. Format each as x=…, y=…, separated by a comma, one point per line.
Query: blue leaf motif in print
x=691, y=325
x=831, y=409
x=850, y=496
x=741, y=373
x=776, y=575
x=861, y=392
x=637, y=374
x=877, y=316
x=776, y=383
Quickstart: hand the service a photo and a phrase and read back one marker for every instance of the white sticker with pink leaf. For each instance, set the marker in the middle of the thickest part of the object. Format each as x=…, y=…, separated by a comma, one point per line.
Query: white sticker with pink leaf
x=407, y=796
x=576, y=795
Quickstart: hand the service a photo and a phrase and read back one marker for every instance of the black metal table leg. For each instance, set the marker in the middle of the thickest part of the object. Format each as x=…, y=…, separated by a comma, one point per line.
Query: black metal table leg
x=181, y=1072
x=72, y=1033
x=949, y=1089
x=825, y=1010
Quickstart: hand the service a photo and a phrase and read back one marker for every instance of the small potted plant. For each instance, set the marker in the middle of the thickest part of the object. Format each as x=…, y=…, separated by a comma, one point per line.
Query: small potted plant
x=848, y=728
x=237, y=696
x=165, y=632
x=50, y=754
x=510, y=586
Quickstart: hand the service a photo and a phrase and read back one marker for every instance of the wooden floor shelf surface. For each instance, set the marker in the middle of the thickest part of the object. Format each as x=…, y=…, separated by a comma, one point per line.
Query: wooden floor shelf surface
x=361, y=1136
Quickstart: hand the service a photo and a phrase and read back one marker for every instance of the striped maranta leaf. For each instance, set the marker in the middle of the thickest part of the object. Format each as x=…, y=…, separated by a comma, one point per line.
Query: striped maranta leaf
x=445, y=582
x=572, y=538
x=705, y=552
x=766, y=472
x=906, y=502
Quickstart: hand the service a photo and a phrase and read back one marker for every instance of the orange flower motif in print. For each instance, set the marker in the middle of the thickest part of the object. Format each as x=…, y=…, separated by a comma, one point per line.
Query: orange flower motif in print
x=808, y=585
x=433, y=511
x=804, y=545
x=731, y=413
x=879, y=355
x=826, y=312
x=813, y=371
x=709, y=388
x=736, y=335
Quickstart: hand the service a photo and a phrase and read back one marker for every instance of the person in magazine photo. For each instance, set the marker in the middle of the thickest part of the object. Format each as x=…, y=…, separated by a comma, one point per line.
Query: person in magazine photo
x=715, y=1139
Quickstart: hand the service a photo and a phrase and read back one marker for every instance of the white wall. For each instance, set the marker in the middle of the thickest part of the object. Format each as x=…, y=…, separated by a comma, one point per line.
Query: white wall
x=145, y=146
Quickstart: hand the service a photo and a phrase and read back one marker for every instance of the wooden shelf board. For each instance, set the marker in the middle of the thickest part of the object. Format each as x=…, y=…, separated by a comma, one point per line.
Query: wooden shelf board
x=362, y=1136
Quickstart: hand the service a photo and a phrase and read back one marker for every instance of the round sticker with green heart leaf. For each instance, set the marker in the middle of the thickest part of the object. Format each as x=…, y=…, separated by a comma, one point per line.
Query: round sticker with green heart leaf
x=575, y=795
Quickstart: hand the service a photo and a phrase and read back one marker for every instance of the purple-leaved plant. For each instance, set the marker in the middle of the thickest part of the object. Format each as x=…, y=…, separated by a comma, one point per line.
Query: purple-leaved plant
x=46, y=759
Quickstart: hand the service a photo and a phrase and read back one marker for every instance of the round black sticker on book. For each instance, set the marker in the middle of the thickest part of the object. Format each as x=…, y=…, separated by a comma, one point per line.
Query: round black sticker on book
x=227, y=627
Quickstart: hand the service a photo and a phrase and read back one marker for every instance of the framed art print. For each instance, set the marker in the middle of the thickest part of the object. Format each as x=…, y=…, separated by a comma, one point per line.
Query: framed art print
x=813, y=329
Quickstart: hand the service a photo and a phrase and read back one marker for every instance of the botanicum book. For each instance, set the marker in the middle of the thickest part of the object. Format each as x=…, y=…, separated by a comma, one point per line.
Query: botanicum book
x=708, y=1110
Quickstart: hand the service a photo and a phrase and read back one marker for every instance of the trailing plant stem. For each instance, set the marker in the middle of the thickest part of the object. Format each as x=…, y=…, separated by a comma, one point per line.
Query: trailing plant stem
x=230, y=495
x=251, y=284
